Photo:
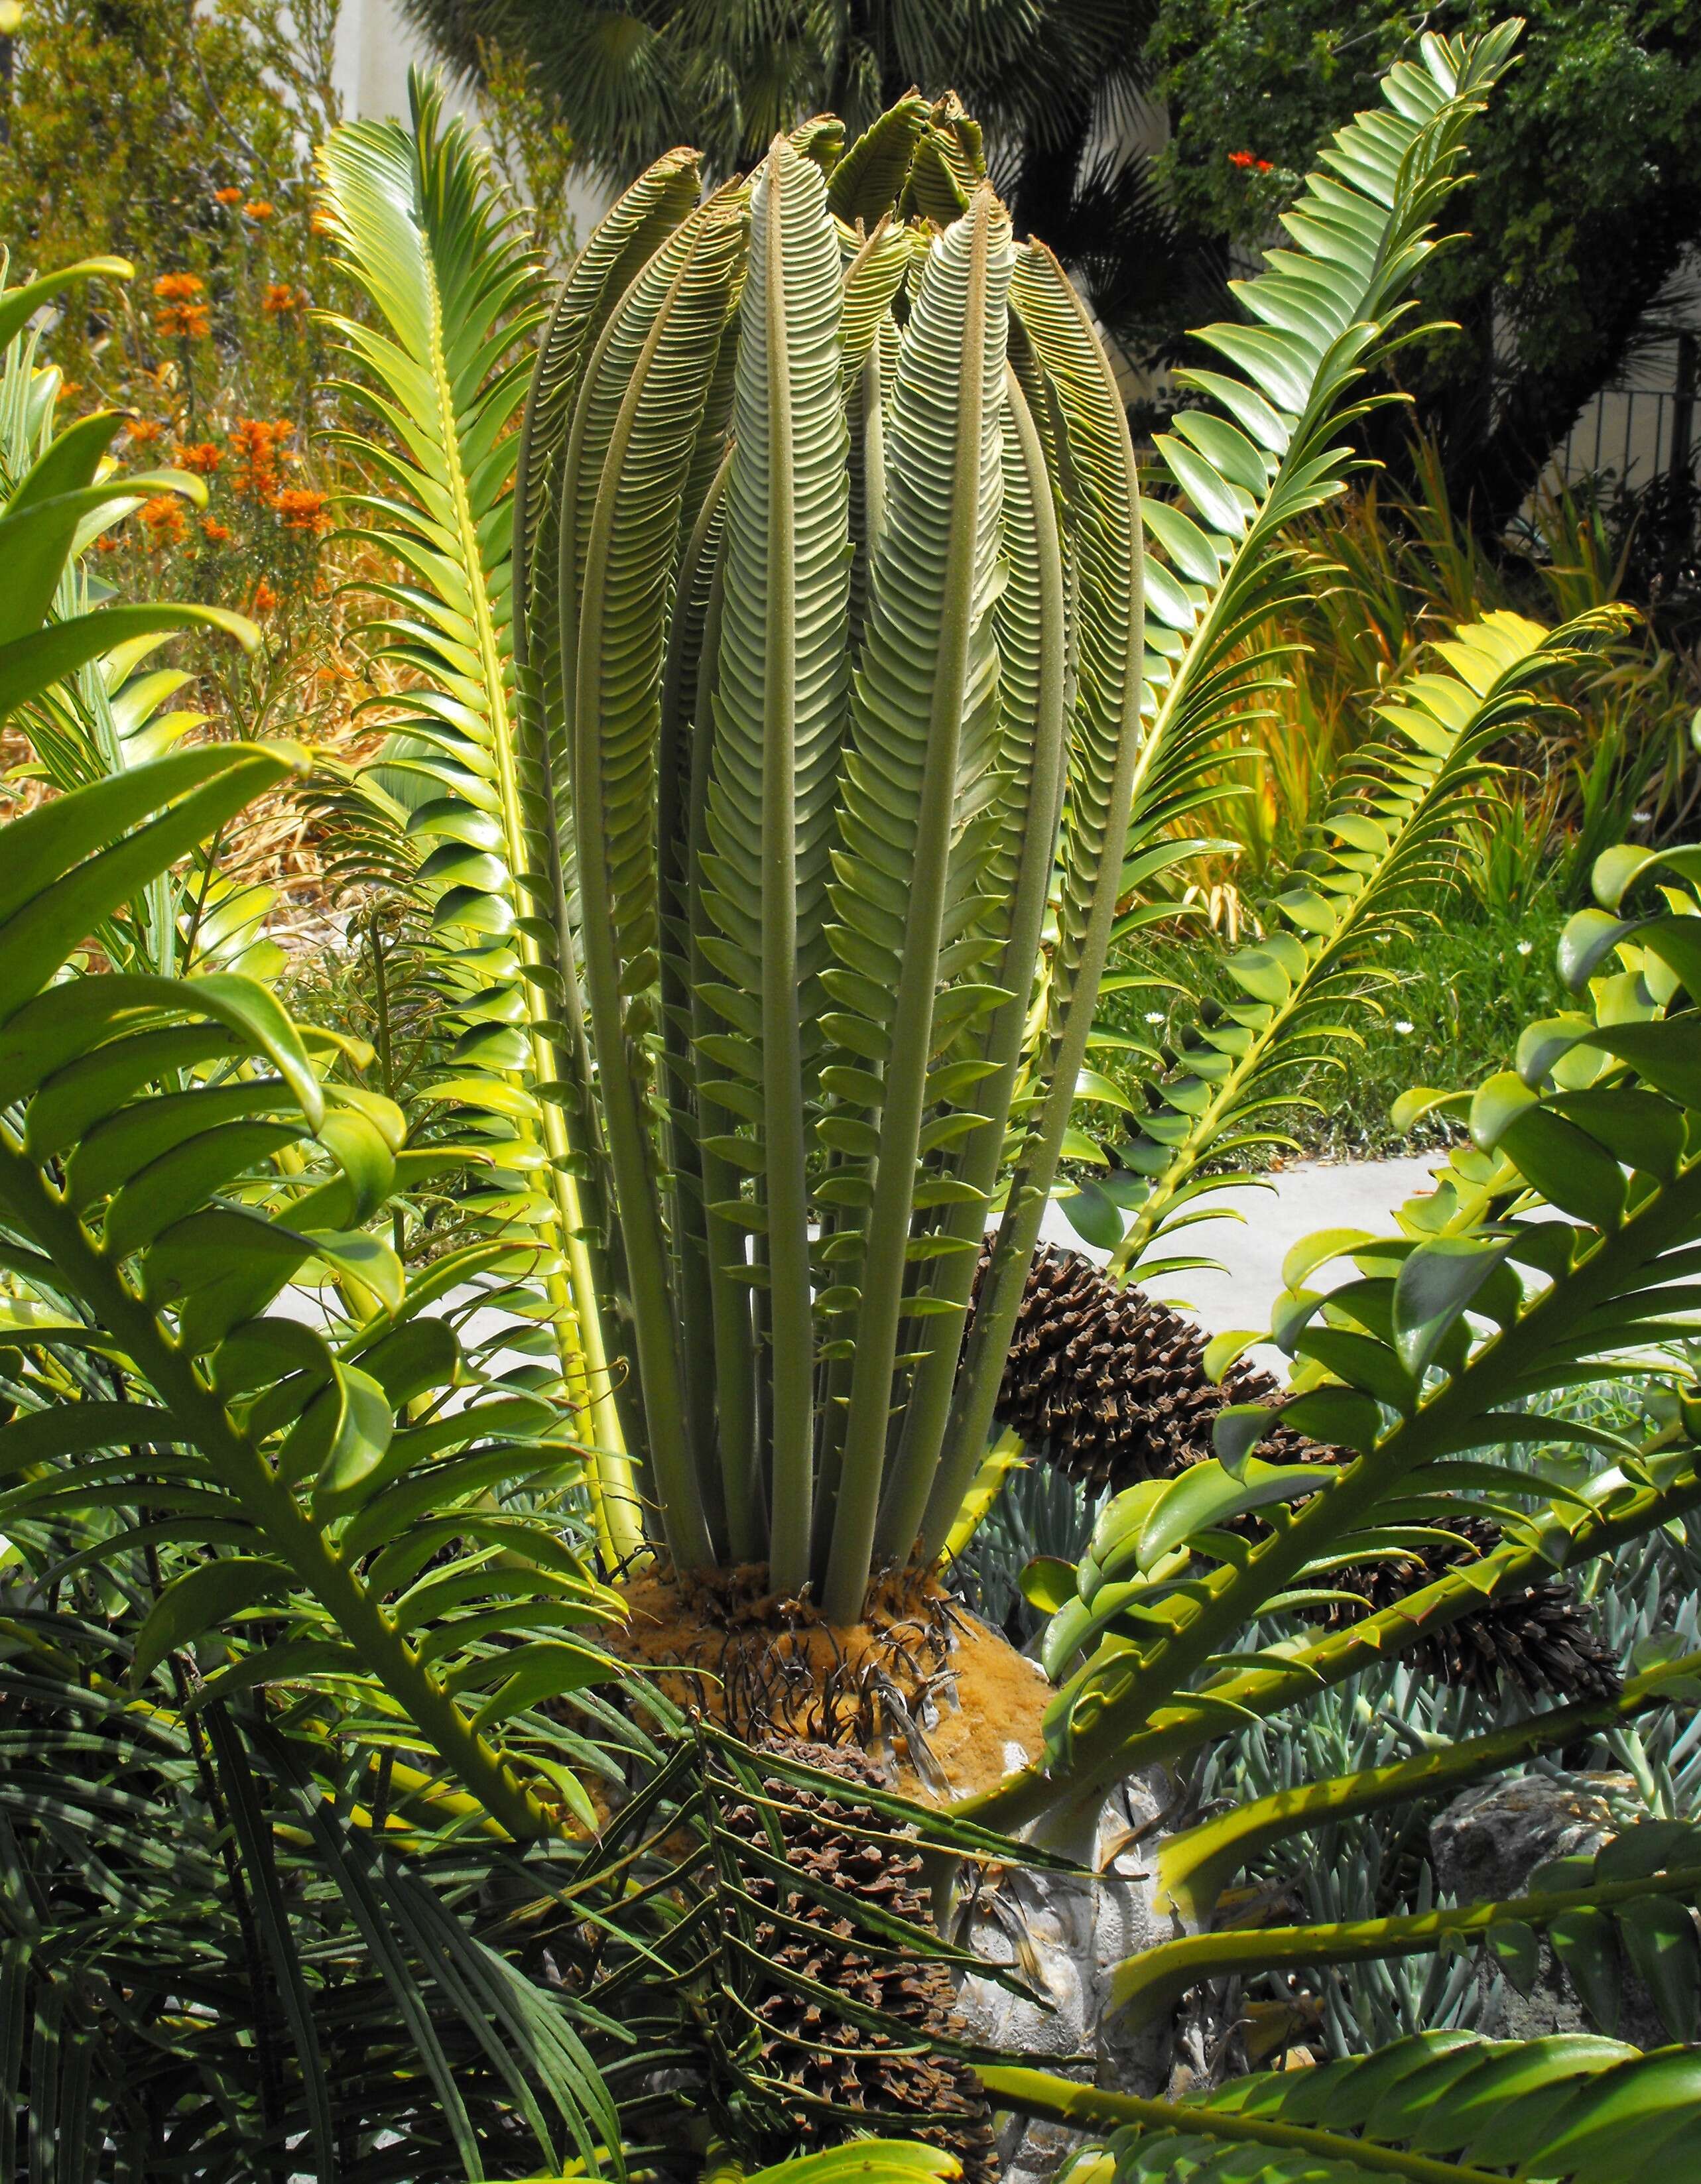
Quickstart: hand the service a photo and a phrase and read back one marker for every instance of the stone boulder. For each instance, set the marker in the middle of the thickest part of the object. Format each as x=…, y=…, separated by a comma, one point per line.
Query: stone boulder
x=1486, y=1845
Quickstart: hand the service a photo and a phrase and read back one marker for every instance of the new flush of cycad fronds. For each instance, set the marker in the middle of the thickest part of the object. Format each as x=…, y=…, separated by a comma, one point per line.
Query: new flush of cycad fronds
x=811, y=724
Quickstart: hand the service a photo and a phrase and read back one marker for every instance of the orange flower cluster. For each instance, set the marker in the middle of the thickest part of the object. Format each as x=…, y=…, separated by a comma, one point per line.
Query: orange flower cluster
x=214, y=533
x=202, y=457
x=265, y=599
x=141, y=431
x=256, y=444
x=227, y=196
x=281, y=300
x=163, y=520
x=321, y=221
x=258, y=209
x=181, y=317
x=303, y=510
x=1250, y=159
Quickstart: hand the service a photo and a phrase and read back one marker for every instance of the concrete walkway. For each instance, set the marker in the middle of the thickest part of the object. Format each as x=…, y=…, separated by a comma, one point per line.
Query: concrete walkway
x=1255, y=1225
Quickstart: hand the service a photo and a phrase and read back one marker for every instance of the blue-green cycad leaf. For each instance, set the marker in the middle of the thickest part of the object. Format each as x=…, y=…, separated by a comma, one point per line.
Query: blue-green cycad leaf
x=920, y=782
x=1103, y=520
x=629, y=455
x=779, y=711
x=1062, y=364
x=622, y=243
x=1449, y=2107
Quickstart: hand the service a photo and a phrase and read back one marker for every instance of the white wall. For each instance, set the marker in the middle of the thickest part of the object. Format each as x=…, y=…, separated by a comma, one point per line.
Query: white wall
x=376, y=48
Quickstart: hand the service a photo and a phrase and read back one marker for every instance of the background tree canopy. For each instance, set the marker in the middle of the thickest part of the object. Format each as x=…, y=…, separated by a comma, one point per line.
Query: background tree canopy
x=1056, y=83
x=1588, y=194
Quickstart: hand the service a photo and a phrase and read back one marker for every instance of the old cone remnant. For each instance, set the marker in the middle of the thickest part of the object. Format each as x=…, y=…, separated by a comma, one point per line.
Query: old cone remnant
x=922, y=1690
x=817, y=2066
x=1110, y=1385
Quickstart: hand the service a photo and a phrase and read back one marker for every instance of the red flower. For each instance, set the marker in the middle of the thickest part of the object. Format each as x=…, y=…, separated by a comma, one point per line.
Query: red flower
x=1266, y=166
x=1241, y=159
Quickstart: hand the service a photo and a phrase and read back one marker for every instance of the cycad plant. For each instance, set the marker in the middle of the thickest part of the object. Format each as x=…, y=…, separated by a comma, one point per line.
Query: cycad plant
x=831, y=609
x=302, y=1871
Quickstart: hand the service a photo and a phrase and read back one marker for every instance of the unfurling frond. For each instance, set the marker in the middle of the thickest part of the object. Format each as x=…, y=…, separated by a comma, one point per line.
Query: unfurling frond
x=835, y=603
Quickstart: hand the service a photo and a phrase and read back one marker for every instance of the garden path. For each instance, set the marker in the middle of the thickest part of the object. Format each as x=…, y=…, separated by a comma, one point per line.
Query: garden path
x=1256, y=1223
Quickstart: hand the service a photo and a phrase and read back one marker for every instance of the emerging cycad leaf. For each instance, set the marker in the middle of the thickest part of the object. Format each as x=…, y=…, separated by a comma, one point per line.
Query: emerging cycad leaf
x=779, y=712
x=920, y=799
x=846, y=655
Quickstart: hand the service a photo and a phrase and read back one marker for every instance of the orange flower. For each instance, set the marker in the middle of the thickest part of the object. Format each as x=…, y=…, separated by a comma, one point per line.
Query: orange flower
x=280, y=299
x=183, y=317
x=227, y=196
x=163, y=519
x=184, y=321
x=254, y=444
x=321, y=221
x=107, y=543
x=203, y=457
x=141, y=430
x=258, y=209
x=282, y=428
x=265, y=599
x=214, y=533
x=1241, y=159
x=67, y=387
x=303, y=510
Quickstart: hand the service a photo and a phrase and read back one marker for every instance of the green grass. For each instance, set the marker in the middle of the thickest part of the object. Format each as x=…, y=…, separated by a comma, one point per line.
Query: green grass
x=1455, y=995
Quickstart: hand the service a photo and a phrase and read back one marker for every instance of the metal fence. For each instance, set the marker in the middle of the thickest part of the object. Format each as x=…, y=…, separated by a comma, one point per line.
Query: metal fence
x=1634, y=435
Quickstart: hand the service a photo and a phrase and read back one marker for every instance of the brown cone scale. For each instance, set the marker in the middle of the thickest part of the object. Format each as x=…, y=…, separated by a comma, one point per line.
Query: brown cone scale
x=1110, y=1386
x=867, y=2077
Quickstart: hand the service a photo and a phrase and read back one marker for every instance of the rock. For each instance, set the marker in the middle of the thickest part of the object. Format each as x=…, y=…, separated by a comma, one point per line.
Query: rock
x=1488, y=1841
x=1486, y=1845
x=1070, y=1936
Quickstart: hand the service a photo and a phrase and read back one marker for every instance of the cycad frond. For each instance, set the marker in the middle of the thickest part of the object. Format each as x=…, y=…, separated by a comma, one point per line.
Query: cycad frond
x=841, y=670
x=779, y=700
x=1390, y=835
x=1445, y=2107
x=1267, y=447
x=425, y=235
